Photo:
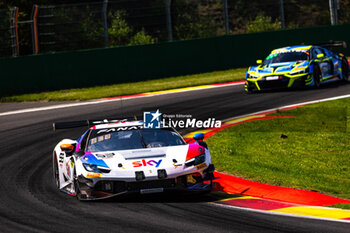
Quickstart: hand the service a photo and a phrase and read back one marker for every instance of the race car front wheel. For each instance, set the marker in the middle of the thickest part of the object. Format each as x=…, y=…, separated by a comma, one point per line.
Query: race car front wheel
x=317, y=76
x=76, y=185
x=345, y=70
x=249, y=89
x=55, y=171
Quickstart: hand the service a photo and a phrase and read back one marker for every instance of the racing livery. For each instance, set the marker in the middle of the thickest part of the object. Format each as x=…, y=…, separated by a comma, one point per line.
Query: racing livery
x=111, y=159
x=297, y=66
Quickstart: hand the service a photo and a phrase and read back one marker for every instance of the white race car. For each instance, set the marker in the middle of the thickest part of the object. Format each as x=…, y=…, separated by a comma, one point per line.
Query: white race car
x=111, y=159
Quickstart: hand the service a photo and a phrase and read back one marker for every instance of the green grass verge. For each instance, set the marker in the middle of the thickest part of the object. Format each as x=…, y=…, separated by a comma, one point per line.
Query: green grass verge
x=132, y=88
x=341, y=206
x=314, y=156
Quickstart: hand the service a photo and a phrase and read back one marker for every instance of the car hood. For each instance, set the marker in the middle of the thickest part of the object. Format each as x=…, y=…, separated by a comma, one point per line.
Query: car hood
x=278, y=68
x=139, y=158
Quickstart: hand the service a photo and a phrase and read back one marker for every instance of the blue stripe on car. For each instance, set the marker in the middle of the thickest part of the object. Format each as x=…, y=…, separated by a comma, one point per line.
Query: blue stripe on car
x=91, y=159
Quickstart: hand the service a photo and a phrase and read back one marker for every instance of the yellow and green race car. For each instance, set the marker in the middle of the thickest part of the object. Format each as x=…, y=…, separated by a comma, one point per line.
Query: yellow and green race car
x=298, y=66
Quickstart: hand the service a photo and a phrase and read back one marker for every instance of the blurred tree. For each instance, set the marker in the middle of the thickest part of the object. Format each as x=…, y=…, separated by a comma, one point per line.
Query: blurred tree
x=242, y=12
x=344, y=11
x=119, y=30
x=306, y=13
x=121, y=33
x=263, y=23
x=193, y=19
x=141, y=37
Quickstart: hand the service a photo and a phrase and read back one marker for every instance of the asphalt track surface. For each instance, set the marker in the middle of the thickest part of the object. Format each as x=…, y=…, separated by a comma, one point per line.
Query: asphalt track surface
x=30, y=202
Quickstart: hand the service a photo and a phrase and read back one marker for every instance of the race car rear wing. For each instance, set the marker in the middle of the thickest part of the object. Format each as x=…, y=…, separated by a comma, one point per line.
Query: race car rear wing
x=75, y=124
x=331, y=44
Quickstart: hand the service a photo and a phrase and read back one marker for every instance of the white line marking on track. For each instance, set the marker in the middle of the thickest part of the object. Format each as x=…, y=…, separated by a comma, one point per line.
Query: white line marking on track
x=280, y=214
x=110, y=100
x=289, y=106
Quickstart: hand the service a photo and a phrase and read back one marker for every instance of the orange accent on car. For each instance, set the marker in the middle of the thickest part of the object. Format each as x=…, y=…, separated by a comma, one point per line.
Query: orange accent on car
x=67, y=147
x=93, y=175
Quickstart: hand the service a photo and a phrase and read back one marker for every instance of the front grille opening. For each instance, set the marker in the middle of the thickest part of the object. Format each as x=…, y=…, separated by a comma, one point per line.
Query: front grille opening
x=169, y=183
x=121, y=186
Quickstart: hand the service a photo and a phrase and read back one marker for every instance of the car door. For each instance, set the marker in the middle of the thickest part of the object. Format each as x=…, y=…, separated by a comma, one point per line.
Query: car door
x=328, y=58
x=335, y=61
x=325, y=63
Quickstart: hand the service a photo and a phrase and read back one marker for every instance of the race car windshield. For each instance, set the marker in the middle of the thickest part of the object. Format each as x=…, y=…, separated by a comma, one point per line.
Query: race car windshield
x=132, y=139
x=286, y=57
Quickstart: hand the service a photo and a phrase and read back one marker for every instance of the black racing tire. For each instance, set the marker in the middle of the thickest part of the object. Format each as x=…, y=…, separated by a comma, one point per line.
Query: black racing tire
x=211, y=185
x=317, y=76
x=55, y=171
x=77, y=189
x=76, y=184
x=345, y=69
x=250, y=90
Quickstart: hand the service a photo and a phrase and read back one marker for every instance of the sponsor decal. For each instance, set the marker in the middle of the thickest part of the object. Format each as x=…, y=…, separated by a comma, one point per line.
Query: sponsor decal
x=272, y=55
x=201, y=166
x=93, y=175
x=176, y=165
x=61, y=157
x=68, y=169
x=144, y=163
x=272, y=78
x=105, y=156
x=71, y=164
x=100, y=138
x=118, y=129
x=151, y=120
x=93, y=141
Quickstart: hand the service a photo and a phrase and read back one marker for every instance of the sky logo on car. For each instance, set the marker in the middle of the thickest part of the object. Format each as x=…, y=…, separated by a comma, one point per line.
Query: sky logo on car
x=145, y=163
x=151, y=120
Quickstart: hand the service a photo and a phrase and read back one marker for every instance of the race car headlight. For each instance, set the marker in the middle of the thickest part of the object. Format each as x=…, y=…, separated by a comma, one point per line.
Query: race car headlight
x=298, y=71
x=252, y=76
x=196, y=160
x=96, y=168
x=195, y=155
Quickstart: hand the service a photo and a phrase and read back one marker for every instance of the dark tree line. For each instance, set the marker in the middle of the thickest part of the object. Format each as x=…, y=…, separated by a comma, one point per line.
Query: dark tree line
x=131, y=22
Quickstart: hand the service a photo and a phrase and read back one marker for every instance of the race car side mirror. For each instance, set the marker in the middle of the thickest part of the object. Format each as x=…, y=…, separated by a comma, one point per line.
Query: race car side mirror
x=67, y=148
x=258, y=62
x=321, y=55
x=198, y=136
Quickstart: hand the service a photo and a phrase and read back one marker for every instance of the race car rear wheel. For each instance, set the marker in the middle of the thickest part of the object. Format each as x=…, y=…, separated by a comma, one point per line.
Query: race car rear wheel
x=317, y=76
x=345, y=70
